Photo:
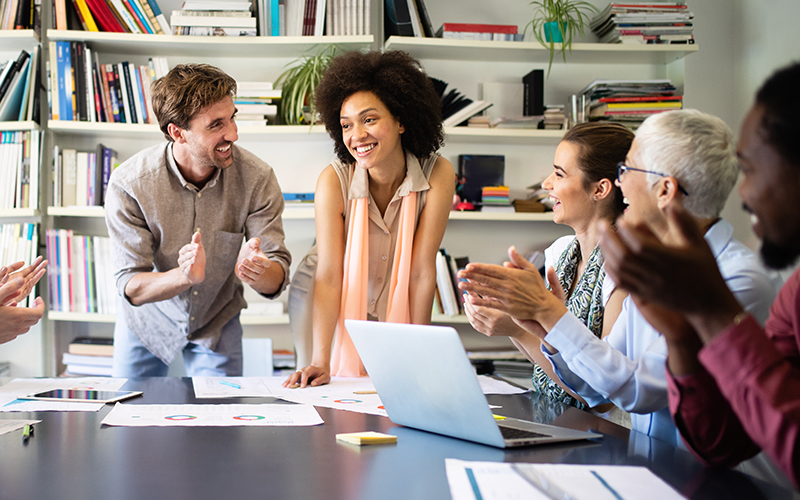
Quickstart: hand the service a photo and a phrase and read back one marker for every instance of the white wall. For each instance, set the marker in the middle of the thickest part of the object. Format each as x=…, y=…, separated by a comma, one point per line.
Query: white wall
x=741, y=43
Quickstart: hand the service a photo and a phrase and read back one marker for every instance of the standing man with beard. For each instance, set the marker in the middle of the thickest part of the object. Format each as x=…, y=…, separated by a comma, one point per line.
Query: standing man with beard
x=734, y=387
x=177, y=215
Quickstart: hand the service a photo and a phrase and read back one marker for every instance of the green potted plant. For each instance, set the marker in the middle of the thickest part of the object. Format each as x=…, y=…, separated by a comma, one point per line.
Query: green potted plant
x=298, y=84
x=559, y=21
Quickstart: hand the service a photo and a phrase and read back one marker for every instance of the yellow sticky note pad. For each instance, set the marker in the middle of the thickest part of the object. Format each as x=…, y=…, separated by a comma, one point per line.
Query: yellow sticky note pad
x=368, y=437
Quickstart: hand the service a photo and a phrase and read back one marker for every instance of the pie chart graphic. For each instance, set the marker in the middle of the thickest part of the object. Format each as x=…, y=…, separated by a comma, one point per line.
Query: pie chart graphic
x=180, y=417
x=346, y=401
x=249, y=417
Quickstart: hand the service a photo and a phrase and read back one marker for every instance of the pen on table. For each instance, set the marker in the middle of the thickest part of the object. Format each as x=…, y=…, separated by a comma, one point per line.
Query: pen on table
x=365, y=392
x=27, y=432
x=230, y=384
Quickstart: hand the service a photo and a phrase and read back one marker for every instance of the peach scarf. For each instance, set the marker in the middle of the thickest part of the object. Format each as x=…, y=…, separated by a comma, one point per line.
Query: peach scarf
x=345, y=361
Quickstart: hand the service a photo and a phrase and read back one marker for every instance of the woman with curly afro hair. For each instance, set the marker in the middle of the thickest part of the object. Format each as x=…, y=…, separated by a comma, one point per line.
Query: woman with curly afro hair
x=381, y=208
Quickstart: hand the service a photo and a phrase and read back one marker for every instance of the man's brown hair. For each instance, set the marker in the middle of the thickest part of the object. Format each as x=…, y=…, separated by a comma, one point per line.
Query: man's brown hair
x=188, y=88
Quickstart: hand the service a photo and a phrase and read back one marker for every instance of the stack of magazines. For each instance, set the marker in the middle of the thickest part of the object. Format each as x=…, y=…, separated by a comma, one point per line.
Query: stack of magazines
x=629, y=102
x=644, y=23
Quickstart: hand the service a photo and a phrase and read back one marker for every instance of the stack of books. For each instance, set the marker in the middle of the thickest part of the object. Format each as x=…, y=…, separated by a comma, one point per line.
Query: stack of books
x=255, y=103
x=520, y=122
x=629, y=102
x=80, y=277
x=298, y=200
x=480, y=121
x=472, y=31
x=282, y=360
x=115, y=16
x=496, y=199
x=644, y=23
x=89, y=356
x=537, y=195
x=19, y=78
x=214, y=18
x=554, y=117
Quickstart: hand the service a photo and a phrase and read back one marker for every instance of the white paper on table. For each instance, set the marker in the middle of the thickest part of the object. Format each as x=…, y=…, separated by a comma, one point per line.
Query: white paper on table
x=21, y=387
x=232, y=387
x=342, y=393
x=7, y=426
x=490, y=385
x=497, y=481
x=128, y=415
x=356, y=394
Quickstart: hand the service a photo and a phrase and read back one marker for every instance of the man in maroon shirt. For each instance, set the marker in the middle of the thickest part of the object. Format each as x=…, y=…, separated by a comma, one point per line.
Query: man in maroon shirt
x=734, y=387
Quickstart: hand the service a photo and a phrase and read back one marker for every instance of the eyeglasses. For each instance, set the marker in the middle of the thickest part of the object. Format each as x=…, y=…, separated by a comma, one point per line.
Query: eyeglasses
x=622, y=168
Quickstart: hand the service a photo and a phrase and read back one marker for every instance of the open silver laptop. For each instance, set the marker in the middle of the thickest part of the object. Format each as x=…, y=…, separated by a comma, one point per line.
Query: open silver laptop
x=426, y=381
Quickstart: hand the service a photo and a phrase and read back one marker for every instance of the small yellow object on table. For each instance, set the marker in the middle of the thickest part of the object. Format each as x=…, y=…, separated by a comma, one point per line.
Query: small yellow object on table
x=368, y=437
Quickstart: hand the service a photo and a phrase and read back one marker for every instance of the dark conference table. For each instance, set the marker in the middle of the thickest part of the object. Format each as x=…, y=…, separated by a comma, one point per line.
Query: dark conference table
x=72, y=457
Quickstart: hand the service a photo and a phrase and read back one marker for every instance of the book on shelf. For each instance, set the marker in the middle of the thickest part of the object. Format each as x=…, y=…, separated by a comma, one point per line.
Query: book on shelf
x=397, y=18
x=81, y=279
x=477, y=31
x=85, y=359
x=94, y=370
x=444, y=285
x=478, y=171
x=19, y=241
x=19, y=169
x=81, y=178
x=92, y=346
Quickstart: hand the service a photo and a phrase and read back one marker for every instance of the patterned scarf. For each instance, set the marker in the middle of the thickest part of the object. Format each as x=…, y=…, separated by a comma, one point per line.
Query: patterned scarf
x=585, y=302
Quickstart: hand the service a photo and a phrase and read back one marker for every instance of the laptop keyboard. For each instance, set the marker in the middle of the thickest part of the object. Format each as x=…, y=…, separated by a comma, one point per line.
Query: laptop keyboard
x=512, y=433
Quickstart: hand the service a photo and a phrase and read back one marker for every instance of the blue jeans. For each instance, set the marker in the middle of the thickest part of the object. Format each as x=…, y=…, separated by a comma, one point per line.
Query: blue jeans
x=132, y=359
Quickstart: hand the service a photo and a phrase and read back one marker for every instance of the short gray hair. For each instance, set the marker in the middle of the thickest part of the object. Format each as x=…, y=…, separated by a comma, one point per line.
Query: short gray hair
x=698, y=150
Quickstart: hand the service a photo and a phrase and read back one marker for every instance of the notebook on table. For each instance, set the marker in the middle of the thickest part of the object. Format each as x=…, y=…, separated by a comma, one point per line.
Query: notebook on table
x=425, y=381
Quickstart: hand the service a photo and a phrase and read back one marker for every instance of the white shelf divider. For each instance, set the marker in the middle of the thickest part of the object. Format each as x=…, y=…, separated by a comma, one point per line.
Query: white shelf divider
x=283, y=319
x=16, y=40
x=307, y=213
x=534, y=52
x=211, y=46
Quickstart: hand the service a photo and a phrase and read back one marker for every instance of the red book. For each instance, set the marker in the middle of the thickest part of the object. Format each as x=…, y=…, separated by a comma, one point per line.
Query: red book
x=104, y=16
x=639, y=99
x=508, y=29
